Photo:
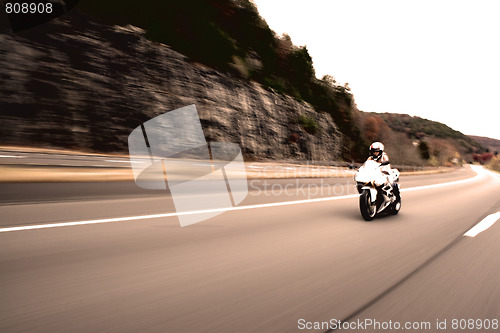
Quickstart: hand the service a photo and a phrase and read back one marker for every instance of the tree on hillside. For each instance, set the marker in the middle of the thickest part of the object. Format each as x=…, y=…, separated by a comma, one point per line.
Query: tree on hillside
x=442, y=150
x=423, y=148
x=329, y=80
x=376, y=129
x=371, y=128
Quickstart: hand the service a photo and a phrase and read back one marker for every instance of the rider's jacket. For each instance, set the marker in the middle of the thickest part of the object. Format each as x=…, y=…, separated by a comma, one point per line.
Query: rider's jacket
x=383, y=158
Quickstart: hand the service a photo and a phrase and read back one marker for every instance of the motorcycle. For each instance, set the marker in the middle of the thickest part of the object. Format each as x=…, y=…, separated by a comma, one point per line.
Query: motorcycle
x=376, y=196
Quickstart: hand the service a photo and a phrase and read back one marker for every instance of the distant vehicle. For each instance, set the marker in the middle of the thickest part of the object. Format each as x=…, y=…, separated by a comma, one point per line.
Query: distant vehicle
x=374, y=199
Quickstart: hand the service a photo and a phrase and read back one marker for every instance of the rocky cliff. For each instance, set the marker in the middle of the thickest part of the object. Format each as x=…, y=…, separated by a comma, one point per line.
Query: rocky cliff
x=79, y=84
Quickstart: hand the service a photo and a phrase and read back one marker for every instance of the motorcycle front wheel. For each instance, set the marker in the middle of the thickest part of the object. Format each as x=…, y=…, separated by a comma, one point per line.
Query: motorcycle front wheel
x=367, y=208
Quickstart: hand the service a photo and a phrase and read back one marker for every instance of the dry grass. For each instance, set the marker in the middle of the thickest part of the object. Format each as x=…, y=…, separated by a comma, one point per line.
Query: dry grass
x=494, y=164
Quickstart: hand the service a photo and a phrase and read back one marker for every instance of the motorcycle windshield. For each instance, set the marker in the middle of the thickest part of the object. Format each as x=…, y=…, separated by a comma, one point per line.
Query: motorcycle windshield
x=368, y=172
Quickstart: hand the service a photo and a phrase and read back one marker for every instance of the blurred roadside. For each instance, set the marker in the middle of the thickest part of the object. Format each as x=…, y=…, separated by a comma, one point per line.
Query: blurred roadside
x=494, y=164
x=21, y=164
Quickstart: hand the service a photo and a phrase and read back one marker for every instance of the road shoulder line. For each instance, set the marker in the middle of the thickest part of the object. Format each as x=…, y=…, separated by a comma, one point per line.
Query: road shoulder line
x=483, y=225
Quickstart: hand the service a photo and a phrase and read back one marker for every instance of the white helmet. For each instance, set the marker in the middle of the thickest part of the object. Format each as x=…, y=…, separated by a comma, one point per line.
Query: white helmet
x=376, y=147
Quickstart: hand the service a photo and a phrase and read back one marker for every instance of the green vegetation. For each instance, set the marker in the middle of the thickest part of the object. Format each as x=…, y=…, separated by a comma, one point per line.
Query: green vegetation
x=492, y=145
x=418, y=141
x=419, y=128
x=230, y=35
x=308, y=124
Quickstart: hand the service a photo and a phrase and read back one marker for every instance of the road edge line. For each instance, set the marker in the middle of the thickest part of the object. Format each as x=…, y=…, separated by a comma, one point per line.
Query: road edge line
x=483, y=225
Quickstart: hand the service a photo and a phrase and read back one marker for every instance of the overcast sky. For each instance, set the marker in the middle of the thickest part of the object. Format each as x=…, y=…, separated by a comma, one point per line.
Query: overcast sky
x=438, y=60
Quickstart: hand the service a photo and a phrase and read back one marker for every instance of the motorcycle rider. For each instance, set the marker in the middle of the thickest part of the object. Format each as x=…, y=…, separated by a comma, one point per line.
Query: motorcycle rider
x=377, y=154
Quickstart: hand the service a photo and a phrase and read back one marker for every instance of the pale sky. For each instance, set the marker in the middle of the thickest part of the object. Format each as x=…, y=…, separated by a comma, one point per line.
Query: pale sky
x=438, y=60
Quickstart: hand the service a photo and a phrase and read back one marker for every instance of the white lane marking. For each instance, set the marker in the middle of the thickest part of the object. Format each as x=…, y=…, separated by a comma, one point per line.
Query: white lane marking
x=130, y=218
x=485, y=223
x=10, y=156
x=480, y=171
x=275, y=204
x=424, y=187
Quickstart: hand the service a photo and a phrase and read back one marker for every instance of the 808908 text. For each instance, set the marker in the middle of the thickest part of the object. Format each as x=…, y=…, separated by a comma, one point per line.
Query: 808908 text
x=28, y=8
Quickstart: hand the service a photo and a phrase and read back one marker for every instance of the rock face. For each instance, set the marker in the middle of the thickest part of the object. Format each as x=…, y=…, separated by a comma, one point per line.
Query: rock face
x=79, y=84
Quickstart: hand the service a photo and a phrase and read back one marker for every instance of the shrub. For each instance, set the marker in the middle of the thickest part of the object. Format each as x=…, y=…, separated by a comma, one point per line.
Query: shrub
x=482, y=158
x=308, y=124
x=423, y=148
x=494, y=164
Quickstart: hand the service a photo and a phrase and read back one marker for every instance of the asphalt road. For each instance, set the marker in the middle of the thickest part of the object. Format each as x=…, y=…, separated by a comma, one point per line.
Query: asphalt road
x=267, y=269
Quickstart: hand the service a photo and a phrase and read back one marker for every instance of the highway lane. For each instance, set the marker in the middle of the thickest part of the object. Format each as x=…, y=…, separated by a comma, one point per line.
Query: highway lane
x=19, y=193
x=57, y=202
x=256, y=270
x=458, y=285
